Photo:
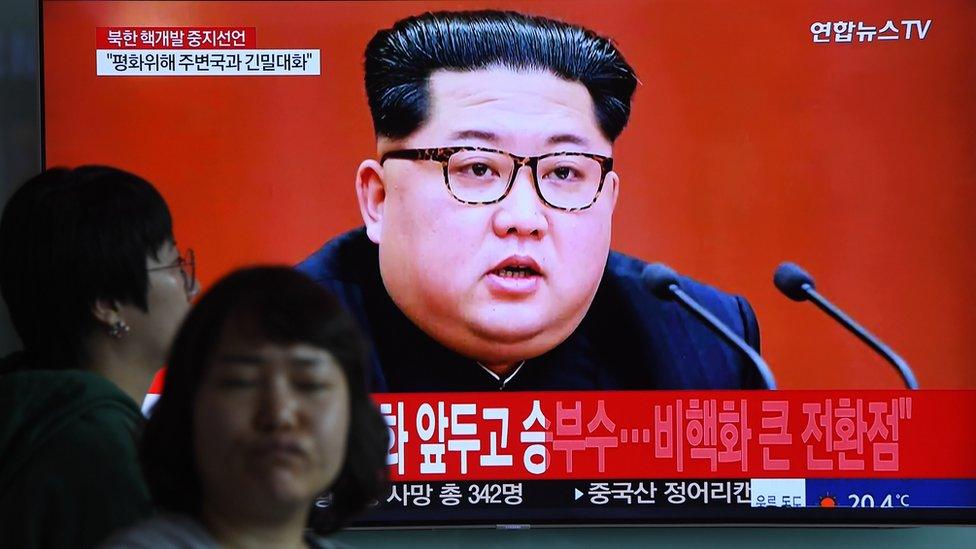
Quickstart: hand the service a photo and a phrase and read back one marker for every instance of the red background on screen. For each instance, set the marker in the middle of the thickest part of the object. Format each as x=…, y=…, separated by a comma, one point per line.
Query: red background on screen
x=748, y=145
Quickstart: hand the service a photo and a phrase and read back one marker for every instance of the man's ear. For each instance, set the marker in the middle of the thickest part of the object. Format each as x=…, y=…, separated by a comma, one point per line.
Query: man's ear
x=371, y=192
x=613, y=181
x=107, y=311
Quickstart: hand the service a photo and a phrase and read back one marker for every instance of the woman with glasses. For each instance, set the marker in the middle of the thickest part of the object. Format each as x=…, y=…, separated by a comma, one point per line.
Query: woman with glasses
x=96, y=289
x=264, y=427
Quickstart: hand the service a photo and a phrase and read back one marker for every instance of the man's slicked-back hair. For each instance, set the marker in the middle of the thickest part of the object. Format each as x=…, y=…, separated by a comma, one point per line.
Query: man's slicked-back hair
x=400, y=60
x=70, y=237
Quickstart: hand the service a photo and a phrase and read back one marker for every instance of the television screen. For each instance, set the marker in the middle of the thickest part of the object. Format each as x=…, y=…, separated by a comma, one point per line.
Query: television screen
x=489, y=193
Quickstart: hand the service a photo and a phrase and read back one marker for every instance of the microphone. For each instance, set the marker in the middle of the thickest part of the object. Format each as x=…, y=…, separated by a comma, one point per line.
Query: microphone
x=797, y=285
x=663, y=282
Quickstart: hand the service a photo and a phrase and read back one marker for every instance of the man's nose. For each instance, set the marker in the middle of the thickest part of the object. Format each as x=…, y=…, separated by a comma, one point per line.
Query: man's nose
x=277, y=407
x=522, y=212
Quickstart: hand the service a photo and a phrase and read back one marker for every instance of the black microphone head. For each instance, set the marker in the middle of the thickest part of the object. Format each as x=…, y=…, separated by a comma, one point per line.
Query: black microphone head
x=790, y=278
x=659, y=278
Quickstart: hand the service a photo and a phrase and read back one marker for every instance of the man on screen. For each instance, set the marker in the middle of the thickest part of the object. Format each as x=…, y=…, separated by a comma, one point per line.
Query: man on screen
x=485, y=259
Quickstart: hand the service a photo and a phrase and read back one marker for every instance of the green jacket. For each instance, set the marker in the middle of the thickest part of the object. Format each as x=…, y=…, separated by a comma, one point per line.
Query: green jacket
x=69, y=474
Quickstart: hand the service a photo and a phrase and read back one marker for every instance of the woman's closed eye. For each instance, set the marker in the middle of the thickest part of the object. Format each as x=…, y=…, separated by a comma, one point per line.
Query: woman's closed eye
x=310, y=386
x=237, y=382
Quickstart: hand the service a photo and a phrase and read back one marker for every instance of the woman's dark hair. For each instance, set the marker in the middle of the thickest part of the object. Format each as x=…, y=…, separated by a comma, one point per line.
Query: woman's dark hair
x=283, y=306
x=69, y=238
x=399, y=62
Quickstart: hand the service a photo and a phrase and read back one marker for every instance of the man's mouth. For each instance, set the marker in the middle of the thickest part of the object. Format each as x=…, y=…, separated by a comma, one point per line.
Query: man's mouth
x=517, y=266
x=516, y=271
x=516, y=276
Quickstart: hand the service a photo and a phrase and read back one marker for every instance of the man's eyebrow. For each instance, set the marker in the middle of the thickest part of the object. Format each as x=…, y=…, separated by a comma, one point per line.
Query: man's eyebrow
x=558, y=139
x=475, y=134
x=568, y=138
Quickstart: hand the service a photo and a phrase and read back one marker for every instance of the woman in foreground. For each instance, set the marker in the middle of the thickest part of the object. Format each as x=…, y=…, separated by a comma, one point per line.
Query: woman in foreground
x=264, y=410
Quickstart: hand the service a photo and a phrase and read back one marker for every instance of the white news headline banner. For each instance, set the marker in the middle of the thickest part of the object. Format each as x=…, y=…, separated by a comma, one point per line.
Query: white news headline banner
x=225, y=62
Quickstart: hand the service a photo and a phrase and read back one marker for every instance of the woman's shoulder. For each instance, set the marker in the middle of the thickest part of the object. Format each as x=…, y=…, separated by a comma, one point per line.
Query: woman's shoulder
x=167, y=531
x=314, y=541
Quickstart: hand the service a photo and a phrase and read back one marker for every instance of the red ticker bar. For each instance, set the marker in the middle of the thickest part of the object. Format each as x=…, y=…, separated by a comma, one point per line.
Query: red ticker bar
x=681, y=434
x=175, y=38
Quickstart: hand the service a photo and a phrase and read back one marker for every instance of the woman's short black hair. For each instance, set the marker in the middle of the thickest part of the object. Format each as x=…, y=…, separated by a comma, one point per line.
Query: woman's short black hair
x=284, y=306
x=69, y=237
x=399, y=62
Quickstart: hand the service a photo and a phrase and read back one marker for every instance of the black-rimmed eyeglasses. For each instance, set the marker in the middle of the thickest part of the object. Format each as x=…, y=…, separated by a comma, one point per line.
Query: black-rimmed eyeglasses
x=569, y=181
x=187, y=264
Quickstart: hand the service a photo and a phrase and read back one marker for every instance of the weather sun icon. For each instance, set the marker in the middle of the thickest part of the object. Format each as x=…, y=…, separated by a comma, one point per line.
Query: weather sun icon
x=828, y=501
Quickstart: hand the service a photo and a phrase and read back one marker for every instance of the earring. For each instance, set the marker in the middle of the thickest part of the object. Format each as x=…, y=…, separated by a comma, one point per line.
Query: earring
x=118, y=329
